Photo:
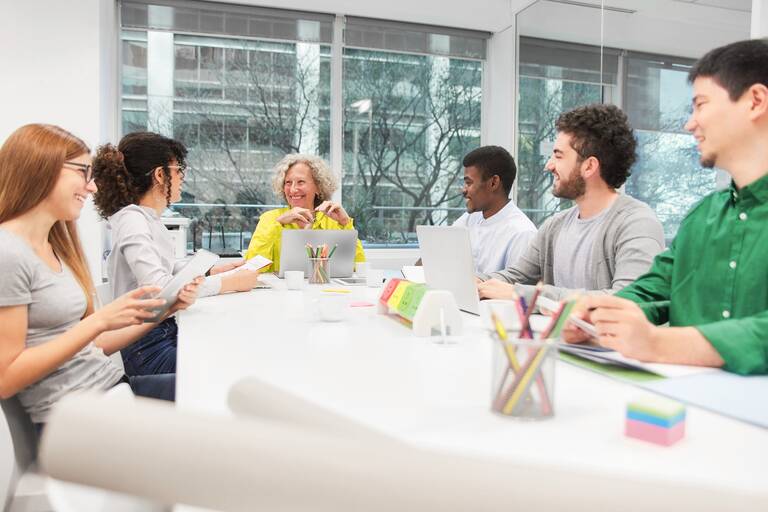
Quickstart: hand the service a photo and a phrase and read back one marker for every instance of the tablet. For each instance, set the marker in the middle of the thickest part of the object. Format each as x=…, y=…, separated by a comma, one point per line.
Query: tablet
x=200, y=263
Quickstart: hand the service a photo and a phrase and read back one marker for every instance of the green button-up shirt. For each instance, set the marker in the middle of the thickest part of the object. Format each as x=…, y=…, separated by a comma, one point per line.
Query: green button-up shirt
x=714, y=277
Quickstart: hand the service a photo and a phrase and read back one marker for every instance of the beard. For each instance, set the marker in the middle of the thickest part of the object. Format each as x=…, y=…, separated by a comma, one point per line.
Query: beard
x=571, y=189
x=707, y=161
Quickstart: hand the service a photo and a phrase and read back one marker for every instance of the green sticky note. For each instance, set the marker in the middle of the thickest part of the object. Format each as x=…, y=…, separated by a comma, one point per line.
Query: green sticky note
x=657, y=406
x=417, y=294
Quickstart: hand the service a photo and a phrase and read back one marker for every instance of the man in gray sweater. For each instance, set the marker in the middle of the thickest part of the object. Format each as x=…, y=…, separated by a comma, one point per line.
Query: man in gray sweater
x=604, y=242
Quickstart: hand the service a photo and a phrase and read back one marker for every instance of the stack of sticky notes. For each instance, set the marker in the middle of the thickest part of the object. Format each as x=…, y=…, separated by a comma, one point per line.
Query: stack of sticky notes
x=656, y=420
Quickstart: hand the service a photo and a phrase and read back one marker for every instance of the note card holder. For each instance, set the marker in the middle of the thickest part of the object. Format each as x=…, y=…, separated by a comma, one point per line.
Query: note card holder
x=427, y=312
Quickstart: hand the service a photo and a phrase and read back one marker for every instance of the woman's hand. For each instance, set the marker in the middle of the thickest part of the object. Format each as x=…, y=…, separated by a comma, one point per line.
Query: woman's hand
x=241, y=281
x=226, y=267
x=186, y=297
x=130, y=309
x=334, y=211
x=297, y=215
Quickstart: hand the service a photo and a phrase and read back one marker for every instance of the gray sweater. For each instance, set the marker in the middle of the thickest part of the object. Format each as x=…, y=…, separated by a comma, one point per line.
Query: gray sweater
x=628, y=240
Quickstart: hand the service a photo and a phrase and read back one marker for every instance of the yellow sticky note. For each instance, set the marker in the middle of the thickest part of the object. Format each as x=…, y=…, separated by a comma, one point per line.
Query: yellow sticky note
x=335, y=290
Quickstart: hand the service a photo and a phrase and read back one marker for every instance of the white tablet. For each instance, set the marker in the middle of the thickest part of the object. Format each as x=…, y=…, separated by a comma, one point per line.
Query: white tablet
x=200, y=263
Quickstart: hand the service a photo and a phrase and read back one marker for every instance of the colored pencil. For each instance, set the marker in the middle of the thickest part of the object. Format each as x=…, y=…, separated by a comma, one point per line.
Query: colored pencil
x=529, y=311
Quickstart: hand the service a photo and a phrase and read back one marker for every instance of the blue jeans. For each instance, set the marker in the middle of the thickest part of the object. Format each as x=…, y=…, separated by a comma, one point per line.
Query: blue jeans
x=161, y=386
x=153, y=354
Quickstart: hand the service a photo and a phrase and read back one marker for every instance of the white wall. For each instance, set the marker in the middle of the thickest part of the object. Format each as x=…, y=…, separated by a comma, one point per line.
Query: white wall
x=58, y=67
x=759, y=18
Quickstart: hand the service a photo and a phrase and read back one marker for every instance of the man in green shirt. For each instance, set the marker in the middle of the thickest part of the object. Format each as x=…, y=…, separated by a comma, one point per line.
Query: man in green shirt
x=711, y=285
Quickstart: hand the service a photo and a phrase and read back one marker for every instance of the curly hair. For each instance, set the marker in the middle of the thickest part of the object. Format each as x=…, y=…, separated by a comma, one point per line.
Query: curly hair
x=325, y=180
x=123, y=174
x=602, y=131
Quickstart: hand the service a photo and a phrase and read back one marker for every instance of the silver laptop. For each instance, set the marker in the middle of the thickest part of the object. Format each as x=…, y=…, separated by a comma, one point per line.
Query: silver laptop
x=293, y=249
x=448, y=265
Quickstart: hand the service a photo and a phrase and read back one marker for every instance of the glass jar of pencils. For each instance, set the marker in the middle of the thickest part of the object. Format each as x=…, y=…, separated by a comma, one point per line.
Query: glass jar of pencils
x=319, y=270
x=523, y=377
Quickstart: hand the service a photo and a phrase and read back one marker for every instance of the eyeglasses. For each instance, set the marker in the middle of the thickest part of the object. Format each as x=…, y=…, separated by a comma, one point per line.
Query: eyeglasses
x=86, y=169
x=182, y=170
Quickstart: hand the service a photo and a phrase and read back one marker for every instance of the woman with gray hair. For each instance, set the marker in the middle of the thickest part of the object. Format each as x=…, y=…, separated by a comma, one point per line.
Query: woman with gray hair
x=307, y=185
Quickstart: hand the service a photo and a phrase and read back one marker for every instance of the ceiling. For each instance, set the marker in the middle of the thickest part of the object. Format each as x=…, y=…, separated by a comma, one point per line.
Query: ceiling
x=672, y=27
x=497, y=15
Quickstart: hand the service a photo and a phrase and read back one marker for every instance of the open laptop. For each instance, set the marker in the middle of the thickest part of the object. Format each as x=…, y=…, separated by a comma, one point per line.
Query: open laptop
x=448, y=265
x=293, y=249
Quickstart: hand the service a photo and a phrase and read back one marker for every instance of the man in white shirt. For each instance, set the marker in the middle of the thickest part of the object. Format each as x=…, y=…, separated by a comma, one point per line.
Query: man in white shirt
x=498, y=230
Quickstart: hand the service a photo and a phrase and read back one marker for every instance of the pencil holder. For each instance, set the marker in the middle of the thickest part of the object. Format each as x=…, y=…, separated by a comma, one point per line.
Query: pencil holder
x=523, y=378
x=319, y=270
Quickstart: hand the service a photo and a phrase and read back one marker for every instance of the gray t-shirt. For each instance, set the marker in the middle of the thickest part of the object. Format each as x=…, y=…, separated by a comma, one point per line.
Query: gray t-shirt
x=55, y=303
x=572, y=262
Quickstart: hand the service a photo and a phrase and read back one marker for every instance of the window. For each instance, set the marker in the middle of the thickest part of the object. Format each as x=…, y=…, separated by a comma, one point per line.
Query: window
x=412, y=98
x=240, y=88
x=556, y=77
x=667, y=175
x=243, y=86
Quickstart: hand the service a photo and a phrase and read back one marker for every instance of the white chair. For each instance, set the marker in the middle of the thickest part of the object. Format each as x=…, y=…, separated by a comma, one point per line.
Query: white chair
x=239, y=464
x=26, y=489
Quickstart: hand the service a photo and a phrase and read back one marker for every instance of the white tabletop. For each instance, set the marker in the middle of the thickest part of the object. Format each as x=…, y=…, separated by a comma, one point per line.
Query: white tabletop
x=371, y=368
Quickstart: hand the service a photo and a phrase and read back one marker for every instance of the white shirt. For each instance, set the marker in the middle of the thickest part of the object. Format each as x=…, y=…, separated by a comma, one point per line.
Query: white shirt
x=498, y=241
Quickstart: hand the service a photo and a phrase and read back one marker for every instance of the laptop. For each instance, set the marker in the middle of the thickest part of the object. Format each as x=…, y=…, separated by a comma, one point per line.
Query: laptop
x=293, y=249
x=446, y=255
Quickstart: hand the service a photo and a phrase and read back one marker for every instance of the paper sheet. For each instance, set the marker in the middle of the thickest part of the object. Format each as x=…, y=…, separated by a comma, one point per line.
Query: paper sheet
x=254, y=263
x=414, y=273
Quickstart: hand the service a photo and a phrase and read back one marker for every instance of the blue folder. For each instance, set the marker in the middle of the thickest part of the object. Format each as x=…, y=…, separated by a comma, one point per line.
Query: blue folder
x=741, y=398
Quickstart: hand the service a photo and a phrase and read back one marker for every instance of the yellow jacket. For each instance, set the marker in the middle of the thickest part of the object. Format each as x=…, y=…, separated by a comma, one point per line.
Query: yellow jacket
x=268, y=235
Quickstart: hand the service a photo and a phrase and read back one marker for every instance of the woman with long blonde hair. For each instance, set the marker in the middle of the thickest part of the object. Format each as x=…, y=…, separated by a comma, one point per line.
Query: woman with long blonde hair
x=53, y=340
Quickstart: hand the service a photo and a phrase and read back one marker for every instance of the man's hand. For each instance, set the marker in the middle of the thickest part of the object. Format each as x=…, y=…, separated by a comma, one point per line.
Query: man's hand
x=622, y=326
x=495, y=289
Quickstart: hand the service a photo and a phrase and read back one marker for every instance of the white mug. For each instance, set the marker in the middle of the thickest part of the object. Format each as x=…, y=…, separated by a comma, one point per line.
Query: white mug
x=294, y=279
x=374, y=277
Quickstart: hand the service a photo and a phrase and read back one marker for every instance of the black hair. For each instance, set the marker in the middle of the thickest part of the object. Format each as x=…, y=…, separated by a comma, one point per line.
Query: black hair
x=735, y=67
x=602, y=131
x=492, y=160
x=123, y=174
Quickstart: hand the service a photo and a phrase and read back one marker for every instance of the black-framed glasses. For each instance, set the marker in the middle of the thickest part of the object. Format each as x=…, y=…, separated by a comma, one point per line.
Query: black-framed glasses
x=86, y=169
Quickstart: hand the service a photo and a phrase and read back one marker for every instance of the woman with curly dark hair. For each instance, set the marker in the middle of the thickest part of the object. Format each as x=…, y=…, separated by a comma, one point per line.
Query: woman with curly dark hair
x=137, y=180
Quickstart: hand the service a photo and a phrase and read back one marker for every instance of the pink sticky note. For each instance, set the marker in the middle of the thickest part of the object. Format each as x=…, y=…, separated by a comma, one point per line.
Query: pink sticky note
x=654, y=433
